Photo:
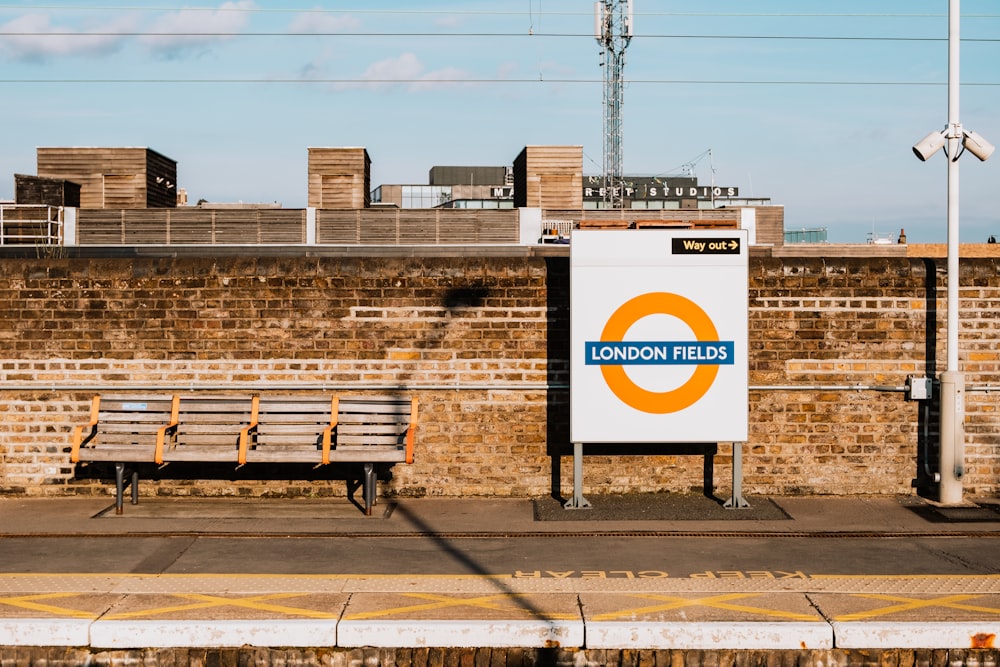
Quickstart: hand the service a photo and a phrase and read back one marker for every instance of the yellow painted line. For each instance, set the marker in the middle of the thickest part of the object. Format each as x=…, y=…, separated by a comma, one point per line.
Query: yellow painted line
x=715, y=602
x=506, y=575
x=244, y=575
x=257, y=602
x=911, y=604
x=29, y=602
x=468, y=577
x=450, y=602
x=891, y=577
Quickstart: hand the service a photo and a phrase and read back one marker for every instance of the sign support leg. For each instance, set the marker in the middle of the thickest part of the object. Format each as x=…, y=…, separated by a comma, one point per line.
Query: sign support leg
x=577, y=502
x=737, y=500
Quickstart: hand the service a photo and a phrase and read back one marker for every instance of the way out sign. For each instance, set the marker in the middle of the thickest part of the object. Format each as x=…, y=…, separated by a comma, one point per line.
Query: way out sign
x=658, y=336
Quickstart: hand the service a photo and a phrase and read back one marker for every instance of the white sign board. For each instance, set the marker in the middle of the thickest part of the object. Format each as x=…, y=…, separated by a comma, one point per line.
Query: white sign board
x=658, y=336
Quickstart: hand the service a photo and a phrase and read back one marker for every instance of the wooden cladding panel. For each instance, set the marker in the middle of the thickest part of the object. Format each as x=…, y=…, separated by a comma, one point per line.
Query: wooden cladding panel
x=100, y=227
x=416, y=230
x=282, y=226
x=770, y=225
x=557, y=190
x=549, y=177
x=33, y=190
x=339, y=178
x=161, y=181
x=122, y=191
x=236, y=227
x=339, y=227
x=417, y=226
x=193, y=226
x=113, y=177
x=145, y=226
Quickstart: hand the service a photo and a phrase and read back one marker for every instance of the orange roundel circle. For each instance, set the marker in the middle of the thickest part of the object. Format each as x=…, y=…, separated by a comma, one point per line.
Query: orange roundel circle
x=659, y=303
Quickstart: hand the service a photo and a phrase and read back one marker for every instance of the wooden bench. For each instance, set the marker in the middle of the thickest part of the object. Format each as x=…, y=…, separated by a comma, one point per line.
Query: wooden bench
x=245, y=430
x=125, y=430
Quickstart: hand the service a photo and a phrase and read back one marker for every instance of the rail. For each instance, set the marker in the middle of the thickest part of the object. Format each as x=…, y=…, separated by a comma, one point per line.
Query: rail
x=31, y=224
x=456, y=386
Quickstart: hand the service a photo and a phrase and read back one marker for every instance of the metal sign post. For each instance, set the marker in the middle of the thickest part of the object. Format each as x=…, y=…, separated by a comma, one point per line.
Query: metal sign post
x=659, y=334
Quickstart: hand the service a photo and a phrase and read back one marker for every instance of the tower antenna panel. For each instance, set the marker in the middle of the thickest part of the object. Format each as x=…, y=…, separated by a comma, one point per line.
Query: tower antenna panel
x=613, y=28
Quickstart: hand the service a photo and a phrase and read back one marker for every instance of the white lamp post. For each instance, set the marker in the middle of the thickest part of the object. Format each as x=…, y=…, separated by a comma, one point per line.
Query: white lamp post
x=954, y=140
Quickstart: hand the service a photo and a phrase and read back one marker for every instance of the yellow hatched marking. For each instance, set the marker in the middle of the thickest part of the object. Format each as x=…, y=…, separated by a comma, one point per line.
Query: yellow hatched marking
x=257, y=602
x=30, y=602
x=447, y=602
x=910, y=604
x=714, y=602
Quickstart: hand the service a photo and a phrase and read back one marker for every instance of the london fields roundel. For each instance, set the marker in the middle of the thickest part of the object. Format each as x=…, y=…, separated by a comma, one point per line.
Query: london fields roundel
x=656, y=303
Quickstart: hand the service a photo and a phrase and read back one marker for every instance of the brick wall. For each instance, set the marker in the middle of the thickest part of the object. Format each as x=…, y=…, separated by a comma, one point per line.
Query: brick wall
x=482, y=341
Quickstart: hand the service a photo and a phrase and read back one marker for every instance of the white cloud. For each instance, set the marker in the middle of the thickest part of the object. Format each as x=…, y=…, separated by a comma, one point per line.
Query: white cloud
x=448, y=77
x=405, y=67
x=195, y=30
x=321, y=22
x=32, y=40
x=384, y=73
x=407, y=71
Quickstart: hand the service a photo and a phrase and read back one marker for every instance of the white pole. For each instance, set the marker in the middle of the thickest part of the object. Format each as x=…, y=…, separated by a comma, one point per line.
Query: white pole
x=952, y=380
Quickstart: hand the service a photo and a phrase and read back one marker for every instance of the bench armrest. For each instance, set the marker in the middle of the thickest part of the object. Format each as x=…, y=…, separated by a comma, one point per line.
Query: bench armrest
x=78, y=439
x=328, y=431
x=411, y=431
x=161, y=433
x=248, y=429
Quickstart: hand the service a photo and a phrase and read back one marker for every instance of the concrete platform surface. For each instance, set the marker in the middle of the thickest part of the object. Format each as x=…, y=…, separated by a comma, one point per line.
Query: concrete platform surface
x=82, y=600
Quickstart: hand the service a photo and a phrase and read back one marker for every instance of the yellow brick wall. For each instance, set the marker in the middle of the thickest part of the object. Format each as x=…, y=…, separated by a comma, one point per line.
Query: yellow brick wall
x=483, y=343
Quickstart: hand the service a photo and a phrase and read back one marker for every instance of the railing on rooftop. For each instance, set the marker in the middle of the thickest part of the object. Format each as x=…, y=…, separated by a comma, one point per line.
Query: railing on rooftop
x=36, y=225
x=50, y=226
x=804, y=235
x=265, y=226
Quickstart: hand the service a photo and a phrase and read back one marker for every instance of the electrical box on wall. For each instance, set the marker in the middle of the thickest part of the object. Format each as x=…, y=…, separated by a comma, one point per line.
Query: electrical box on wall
x=919, y=388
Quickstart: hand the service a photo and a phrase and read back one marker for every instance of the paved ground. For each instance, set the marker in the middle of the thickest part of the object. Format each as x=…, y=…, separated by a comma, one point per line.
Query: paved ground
x=633, y=572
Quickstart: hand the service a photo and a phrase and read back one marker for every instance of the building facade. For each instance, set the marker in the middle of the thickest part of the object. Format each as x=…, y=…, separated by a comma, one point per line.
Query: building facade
x=113, y=177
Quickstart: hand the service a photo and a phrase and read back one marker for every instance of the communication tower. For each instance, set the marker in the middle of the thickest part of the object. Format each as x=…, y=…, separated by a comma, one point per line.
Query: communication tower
x=613, y=31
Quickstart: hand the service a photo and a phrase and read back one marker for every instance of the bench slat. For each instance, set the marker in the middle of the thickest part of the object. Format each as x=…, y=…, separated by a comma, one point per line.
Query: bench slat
x=196, y=453
x=394, y=440
x=351, y=456
x=284, y=455
x=114, y=454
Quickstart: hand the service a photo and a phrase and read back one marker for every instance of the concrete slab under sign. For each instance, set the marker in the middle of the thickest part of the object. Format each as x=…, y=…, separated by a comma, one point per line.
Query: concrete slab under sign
x=497, y=619
x=219, y=620
x=699, y=621
x=44, y=632
x=217, y=634
x=894, y=618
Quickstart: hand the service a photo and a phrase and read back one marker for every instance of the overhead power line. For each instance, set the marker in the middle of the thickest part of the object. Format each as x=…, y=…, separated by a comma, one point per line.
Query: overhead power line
x=461, y=12
x=435, y=81
x=439, y=35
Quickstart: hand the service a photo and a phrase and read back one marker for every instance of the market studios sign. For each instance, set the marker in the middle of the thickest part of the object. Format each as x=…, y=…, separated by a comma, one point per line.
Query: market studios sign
x=657, y=189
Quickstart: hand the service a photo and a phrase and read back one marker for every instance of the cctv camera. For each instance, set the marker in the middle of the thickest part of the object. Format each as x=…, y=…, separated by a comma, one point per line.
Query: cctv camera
x=929, y=145
x=978, y=146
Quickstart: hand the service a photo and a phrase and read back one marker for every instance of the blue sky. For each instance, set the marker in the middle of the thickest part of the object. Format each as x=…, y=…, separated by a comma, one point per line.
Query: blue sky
x=814, y=104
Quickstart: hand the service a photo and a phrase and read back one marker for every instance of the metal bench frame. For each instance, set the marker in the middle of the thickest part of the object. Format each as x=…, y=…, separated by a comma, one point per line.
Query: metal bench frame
x=246, y=430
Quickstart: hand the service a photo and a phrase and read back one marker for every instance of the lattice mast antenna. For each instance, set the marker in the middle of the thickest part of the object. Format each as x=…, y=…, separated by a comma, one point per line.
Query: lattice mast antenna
x=613, y=31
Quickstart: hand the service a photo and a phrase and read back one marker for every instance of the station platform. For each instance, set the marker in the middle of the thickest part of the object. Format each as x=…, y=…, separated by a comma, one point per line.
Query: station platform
x=69, y=579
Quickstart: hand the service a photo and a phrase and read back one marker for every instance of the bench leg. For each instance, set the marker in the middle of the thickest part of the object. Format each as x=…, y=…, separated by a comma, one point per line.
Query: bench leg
x=135, y=487
x=120, y=472
x=119, y=487
x=370, y=481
